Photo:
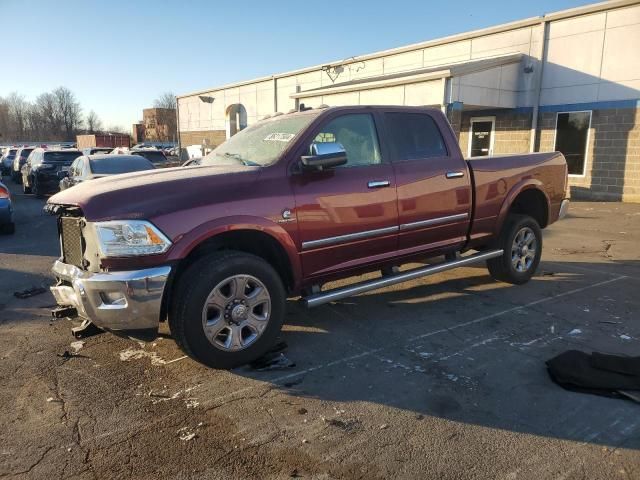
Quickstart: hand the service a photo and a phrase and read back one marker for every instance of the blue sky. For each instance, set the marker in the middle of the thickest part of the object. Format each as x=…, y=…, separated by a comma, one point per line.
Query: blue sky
x=118, y=55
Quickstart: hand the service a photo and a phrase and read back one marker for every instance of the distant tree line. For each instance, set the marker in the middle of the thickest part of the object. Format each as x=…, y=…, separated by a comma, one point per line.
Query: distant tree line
x=53, y=116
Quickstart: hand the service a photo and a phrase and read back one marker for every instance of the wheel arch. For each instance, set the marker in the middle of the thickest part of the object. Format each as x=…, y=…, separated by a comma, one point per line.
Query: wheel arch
x=526, y=198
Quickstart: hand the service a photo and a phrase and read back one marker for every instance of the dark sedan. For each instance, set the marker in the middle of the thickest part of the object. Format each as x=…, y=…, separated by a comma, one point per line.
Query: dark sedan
x=41, y=172
x=89, y=167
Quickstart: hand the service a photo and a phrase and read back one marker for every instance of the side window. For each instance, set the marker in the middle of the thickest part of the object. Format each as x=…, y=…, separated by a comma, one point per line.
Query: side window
x=357, y=134
x=415, y=136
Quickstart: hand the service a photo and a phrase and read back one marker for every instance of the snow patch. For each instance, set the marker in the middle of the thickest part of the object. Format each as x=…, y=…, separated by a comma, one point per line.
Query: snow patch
x=575, y=331
x=136, y=354
x=77, y=346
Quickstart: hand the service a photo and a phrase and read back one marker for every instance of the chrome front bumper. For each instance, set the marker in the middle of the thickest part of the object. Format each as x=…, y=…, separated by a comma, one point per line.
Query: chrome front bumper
x=564, y=208
x=128, y=300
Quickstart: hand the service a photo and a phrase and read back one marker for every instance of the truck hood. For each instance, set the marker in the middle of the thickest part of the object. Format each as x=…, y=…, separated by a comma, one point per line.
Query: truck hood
x=152, y=193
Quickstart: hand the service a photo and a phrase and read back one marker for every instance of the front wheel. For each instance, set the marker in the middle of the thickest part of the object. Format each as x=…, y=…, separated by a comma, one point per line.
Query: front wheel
x=227, y=309
x=521, y=240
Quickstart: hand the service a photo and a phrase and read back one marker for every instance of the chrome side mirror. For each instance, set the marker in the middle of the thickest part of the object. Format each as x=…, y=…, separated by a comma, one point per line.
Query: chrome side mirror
x=324, y=155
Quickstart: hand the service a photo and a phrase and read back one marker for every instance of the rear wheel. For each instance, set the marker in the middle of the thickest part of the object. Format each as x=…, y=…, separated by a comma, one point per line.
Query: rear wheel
x=36, y=188
x=228, y=309
x=521, y=240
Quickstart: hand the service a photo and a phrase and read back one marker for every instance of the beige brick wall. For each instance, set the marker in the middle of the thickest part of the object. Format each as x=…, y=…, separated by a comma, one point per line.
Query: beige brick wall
x=613, y=155
x=512, y=131
x=214, y=137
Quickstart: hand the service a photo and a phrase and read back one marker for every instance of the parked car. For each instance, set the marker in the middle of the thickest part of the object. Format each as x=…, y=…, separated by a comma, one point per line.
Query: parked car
x=6, y=163
x=40, y=174
x=286, y=205
x=90, y=167
x=158, y=158
x=96, y=150
x=7, y=224
x=20, y=159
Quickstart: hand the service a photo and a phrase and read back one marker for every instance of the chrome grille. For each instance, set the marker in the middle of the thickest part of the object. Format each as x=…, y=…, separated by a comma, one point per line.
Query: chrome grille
x=71, y=239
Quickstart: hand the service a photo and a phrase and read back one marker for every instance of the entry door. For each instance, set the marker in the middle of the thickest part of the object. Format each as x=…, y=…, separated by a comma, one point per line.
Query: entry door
x=481, y=136
x=434, y=190
x=348, y=214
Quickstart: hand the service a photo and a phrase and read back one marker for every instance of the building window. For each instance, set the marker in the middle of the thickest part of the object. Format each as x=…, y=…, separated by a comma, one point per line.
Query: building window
x=572, y=136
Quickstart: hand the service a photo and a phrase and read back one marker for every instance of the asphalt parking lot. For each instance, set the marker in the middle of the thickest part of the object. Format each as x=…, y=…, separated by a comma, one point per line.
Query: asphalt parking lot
x=443, y=377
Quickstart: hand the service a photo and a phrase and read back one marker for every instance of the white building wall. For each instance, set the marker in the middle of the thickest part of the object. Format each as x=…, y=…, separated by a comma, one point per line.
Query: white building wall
x=593, y=58
x=589, y=58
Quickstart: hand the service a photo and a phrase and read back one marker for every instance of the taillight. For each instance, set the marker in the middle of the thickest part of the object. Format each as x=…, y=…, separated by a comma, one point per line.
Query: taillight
x=4, y=192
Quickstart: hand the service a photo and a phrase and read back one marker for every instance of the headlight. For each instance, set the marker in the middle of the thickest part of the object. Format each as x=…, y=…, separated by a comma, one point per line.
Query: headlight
x=126, y=238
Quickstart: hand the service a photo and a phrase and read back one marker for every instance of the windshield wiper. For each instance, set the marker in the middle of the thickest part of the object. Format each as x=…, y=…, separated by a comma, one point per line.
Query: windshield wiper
x=246, y=163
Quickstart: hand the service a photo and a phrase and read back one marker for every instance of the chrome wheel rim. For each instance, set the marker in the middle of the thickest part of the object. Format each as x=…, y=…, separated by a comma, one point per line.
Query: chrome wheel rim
x=236, y=312
x=523, y=249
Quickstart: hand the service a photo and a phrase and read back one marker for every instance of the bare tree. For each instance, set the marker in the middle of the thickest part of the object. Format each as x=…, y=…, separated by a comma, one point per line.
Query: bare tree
x=4, y=120
x=165, y=100
x=94, y=124
x=69, y=110
x=116, y=129
x=51, y=116
x=17, y=115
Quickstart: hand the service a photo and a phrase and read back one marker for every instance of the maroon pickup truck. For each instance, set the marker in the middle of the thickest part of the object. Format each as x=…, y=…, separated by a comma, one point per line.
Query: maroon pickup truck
x=283, y=207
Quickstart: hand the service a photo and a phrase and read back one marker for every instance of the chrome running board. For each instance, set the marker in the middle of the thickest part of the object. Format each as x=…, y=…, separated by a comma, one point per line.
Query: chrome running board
x=357, y=288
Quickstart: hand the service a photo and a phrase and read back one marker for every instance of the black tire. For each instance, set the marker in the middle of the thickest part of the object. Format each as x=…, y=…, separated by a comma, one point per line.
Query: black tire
x=8, y=229
x=502, y=268
x=36, y=189
x=191, y=291
x=26, y=189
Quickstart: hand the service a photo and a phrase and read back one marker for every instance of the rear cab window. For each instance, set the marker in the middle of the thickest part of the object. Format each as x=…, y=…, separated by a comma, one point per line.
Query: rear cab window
x=414, y=136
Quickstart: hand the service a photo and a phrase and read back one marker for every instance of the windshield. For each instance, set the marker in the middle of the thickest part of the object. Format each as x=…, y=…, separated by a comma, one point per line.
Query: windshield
x=65, y=157
x=107, y=166
x=260, y=144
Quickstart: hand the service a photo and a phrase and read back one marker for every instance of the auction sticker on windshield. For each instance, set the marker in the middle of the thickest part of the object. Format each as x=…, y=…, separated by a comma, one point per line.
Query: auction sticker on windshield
x=279, y=137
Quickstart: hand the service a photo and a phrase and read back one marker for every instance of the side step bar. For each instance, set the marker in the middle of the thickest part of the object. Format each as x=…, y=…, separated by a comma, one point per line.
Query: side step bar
x=357, y=288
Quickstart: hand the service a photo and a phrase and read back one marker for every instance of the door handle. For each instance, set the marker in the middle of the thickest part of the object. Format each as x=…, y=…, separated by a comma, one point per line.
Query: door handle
x=455, y=174
x=378, y=183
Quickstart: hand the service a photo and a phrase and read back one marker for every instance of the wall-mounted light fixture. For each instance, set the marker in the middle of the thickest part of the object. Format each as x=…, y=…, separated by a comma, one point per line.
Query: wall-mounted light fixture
x=206, y=99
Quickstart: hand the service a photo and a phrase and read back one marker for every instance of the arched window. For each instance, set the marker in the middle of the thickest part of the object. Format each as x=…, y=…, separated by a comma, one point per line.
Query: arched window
x=236, y=119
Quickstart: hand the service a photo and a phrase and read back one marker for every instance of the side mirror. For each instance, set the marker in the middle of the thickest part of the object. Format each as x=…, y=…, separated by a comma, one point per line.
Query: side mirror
x=324, y=155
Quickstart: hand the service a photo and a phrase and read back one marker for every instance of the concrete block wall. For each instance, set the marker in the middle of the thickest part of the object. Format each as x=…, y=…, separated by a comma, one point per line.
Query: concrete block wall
x=613, y=154
x=512, y=130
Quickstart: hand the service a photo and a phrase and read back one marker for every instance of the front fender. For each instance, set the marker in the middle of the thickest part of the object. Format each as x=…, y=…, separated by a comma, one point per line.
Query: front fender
x=517, y=189
x=184, y=244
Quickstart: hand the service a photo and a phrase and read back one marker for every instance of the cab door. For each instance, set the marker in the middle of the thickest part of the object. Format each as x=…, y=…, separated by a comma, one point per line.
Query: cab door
x=346, y=215
x=433, y=184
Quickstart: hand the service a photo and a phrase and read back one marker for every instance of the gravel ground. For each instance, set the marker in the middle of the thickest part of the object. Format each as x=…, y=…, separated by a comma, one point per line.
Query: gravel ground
x=443, y=377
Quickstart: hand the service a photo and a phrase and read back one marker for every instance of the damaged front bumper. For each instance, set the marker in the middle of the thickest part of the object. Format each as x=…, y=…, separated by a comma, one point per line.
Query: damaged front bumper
x=123, y=302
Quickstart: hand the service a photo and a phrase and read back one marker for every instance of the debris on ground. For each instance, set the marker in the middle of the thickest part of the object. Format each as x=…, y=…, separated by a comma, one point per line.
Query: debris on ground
x=625, y=337
x=67, y=355
x=610, y=321
x=135, y=354
x=348, y=425
x=274, y=359
x=546, y=273
x=384, y=426
x=29, y=292
x=77, y=346
x=575, y=331
x=302, y=411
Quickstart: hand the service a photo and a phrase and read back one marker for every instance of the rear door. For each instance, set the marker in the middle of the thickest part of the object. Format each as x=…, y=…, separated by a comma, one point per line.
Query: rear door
x=346, y=215
x=433, y=184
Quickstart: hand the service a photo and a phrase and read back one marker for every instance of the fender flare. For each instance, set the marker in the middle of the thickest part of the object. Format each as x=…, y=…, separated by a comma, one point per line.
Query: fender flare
x=517, y=189
x=184, y=244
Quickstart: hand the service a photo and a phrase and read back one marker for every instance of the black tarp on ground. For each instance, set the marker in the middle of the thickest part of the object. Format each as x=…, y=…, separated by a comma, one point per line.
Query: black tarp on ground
x=597, y=373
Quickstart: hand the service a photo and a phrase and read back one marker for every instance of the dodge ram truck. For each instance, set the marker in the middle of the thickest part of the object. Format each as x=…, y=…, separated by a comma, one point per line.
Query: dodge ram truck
x=286, y=205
